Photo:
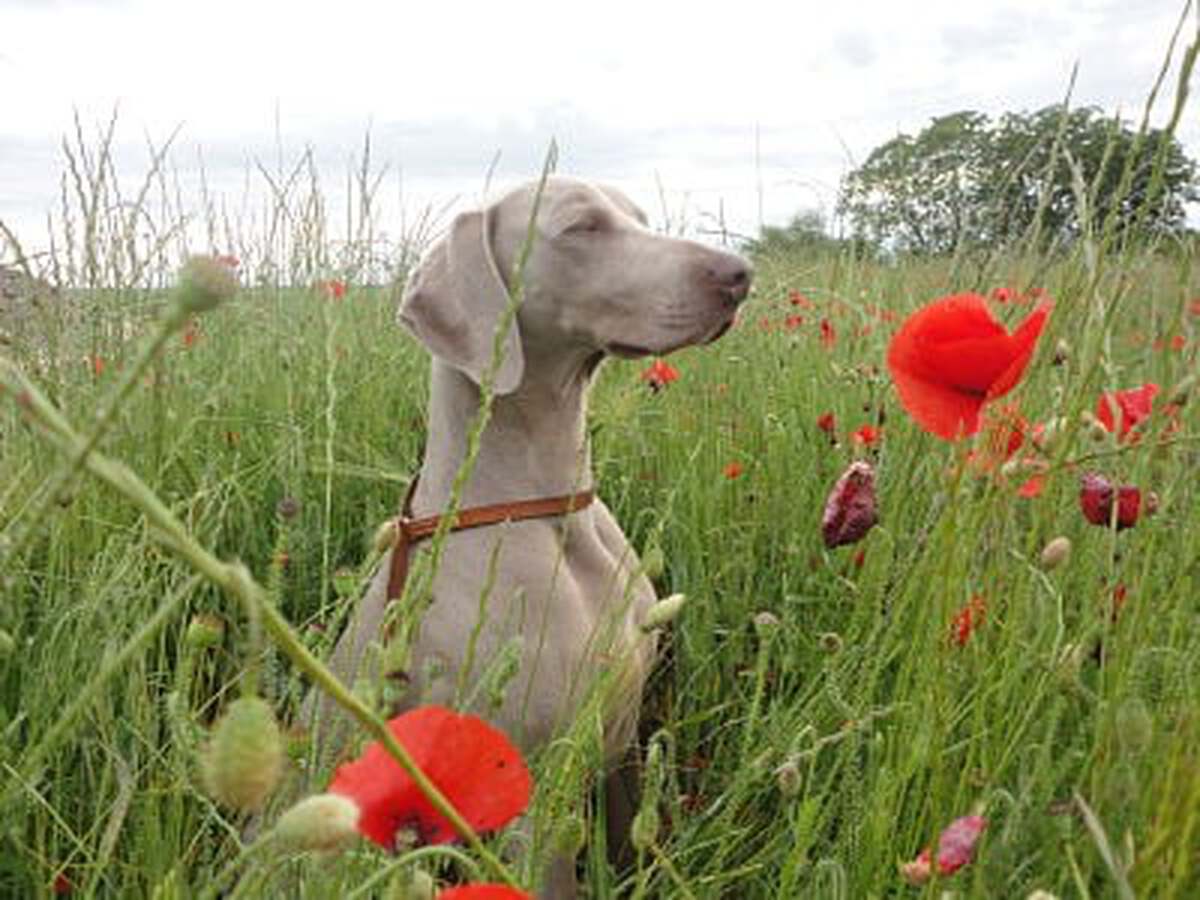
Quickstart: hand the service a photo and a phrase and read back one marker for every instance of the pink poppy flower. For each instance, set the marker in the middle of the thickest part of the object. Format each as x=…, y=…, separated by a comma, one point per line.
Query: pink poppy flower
x=956, y=846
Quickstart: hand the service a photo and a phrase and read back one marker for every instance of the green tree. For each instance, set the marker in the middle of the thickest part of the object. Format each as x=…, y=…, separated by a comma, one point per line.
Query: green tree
x=966, y=181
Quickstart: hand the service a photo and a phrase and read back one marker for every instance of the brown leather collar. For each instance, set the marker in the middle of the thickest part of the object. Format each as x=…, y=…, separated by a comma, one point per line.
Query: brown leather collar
x=410, y=530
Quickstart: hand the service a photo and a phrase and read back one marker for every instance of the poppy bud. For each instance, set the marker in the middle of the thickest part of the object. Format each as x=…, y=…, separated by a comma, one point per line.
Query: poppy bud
x=653, y=562
x=1094, y=427
x=1062, y=352
x=644, y=830
x=789, y=779
x=416, y=884
x=244, y=758
x=766, y=624
x=1056, y=552
x=570, y=835
x=204, y=284
x=663, y=613
x=320, y=822
x=831, y=642
x=385, y=536
x=204, y=631
x=345, y=582
x=850, y=508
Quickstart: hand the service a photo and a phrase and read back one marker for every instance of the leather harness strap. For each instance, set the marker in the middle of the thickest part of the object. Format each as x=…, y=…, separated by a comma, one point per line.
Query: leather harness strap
x=410, y=530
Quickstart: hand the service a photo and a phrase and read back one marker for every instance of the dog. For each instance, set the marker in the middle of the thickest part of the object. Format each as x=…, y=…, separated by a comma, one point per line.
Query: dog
x=563, y=594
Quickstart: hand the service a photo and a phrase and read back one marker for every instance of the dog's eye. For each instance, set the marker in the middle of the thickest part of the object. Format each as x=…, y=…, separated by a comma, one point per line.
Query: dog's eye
x=585, y=225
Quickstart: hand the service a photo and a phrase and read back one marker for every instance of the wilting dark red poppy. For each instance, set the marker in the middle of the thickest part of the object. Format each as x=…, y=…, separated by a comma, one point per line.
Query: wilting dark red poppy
x=951, y=357
x=828, y=335
x=956, y=846
x=1135, y=406
x=472, y=763
x=850, y=509
x=1097, y=497
x=659, y=374
x=828, y=424
x=483, y=892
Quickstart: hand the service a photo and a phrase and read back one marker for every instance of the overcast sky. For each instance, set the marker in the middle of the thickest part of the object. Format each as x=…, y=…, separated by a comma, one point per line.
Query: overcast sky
x=756, y=109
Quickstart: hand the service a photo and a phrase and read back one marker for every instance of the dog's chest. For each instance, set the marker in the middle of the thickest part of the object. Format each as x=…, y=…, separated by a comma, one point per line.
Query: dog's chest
x=566, y=603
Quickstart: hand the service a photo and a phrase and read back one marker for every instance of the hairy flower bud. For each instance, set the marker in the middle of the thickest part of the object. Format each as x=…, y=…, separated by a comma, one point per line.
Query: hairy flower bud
x=244, y=757
x=204, y=284
x=1056, y=552
x=663, y=613
x=321, y=822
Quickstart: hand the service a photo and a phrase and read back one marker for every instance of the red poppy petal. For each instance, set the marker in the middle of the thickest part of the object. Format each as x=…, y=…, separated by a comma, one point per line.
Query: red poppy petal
x=1022, y=344
x=483, y=892
x=938, y=408
x=472, y=763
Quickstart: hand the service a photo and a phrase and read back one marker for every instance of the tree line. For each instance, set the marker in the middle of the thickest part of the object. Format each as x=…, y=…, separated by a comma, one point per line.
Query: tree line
x=967, y=181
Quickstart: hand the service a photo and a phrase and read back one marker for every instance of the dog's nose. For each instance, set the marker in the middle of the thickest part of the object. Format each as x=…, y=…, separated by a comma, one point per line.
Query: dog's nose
x=732, y=274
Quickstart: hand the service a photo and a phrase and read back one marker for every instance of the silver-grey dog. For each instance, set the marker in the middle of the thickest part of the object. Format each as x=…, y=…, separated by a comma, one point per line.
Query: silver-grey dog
x=566, y=588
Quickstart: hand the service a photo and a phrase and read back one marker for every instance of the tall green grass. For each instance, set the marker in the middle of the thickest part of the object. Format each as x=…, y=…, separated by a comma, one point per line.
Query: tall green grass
x=803, y=758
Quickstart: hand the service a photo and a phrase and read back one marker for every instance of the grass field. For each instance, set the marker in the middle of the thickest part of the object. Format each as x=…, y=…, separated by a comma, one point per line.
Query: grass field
x=805, y=756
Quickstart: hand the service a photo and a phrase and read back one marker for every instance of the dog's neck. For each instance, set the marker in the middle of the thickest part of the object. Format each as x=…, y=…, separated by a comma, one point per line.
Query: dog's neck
x=535, y=444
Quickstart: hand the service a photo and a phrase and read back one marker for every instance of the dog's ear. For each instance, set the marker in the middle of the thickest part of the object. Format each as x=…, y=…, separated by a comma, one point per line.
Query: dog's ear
x=453, y=302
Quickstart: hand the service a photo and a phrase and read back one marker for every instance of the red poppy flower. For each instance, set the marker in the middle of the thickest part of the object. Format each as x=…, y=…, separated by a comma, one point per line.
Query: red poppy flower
x=473, y=764
x=798, y=299
x=483, y=892
x=1003, y=294
x=828, y=335
x=850, y=510
x=733, y=469
x=956, y=846
x=951, y=357
x=967, y=619
x=334, y=289
x=1135, y=404
x=867, y=436
x=828, y=424
x=659, y=374
x=1194, y=307
x=97, y=364
x=1032, y=487
x=791, y=323
x=1097, y=496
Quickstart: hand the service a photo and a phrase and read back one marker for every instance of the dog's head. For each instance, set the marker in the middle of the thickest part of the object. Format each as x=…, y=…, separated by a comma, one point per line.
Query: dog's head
x=596, y=280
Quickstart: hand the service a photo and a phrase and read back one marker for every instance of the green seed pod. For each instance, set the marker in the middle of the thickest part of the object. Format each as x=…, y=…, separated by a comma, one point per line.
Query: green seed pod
x=204, y=284
x=244, y=758
x=204, y=631
x=653, y=562
x=570, y=835
x=644, y=830
x=414, y=884
x=321, y=822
